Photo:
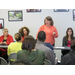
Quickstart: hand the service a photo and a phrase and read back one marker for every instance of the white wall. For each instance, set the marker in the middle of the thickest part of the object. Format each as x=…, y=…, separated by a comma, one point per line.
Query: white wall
x=62, y=20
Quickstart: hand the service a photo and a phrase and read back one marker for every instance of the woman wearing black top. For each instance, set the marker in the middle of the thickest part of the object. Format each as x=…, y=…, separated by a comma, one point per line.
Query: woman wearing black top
x=67, y=40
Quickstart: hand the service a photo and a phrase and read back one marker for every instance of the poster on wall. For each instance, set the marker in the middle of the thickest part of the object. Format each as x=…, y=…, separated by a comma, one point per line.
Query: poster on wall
x=74, y=14
x=1, y=23
x=61, y=10
x=15, y=16
x=33, y=10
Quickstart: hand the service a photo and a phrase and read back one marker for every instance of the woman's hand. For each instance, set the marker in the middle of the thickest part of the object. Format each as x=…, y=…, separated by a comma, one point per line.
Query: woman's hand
x=5, y=43
x=54, y=33
x=1, y=43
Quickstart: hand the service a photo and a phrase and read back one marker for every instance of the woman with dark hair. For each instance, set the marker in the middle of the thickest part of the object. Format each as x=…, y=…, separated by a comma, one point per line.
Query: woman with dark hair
x=69, y=58
x=24, y=31
x=67, y=40
x=28, y=52
x=50, y=30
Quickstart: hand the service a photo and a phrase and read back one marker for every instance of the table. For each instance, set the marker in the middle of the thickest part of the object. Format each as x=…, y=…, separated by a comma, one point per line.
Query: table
x=62, y=48
x=3, y=46
x=55, y=48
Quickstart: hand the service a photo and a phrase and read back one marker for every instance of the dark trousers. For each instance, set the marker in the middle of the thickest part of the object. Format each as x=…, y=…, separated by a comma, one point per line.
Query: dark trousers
x=53, y=45
x=64, y=52
x=3, y=53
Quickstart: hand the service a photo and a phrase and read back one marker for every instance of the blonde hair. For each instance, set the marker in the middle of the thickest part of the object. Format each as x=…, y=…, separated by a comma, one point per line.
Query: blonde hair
x=49, y=19
x=17, y=36
x=4, y=29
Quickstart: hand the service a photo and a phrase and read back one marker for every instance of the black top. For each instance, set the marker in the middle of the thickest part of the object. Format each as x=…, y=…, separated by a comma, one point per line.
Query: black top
x=64, y=43
x=4, y=40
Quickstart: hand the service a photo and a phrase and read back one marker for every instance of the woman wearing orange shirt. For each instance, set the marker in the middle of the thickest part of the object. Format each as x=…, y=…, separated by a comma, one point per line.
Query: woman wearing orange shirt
x=50, y=30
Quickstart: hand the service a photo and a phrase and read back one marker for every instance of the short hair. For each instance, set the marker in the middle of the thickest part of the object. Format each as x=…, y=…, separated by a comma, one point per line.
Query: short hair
x=73, y=45
x=4, y=29
x=49, y=19
x=41, y=36
x=17, y=36
x=28, y=43
x=21, y=30
x=21, y=62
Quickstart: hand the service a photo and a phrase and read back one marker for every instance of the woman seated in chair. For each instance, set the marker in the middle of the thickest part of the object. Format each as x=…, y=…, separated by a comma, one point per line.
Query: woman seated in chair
x=15, y=46
x=28, y=52
x=67, y=40
x=5, y=39
x=24, y=31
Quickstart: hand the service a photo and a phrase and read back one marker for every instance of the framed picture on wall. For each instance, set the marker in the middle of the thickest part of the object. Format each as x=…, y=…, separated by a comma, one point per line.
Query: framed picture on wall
x=15, y=16
x=74, y=14
x=33, y=10
x=61, y=10
x=1, y=23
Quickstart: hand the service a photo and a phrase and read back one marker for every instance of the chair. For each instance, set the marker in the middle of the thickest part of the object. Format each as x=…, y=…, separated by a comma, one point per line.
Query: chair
x=47, y=62
x=12, y=57
x=3, y=61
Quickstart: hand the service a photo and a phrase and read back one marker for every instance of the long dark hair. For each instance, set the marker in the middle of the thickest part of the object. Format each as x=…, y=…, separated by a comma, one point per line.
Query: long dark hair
x=28, y=43
x=67, y=33
x=21, y=30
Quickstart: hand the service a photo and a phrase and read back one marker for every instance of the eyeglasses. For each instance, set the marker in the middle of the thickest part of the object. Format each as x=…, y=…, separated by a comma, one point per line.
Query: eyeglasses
x=5, y=31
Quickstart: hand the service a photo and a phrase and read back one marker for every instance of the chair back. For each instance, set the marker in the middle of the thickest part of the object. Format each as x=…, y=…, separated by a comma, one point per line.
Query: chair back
x=3, y=61
x=12, y=57
x=47, y=62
